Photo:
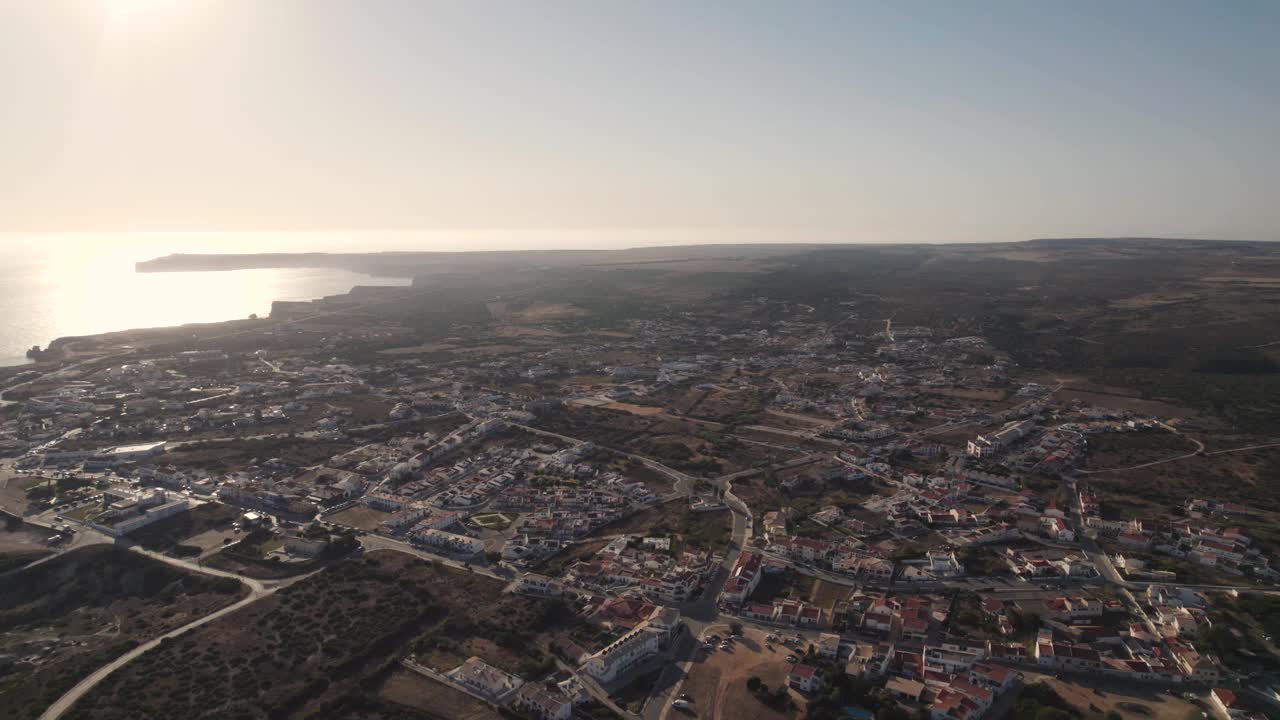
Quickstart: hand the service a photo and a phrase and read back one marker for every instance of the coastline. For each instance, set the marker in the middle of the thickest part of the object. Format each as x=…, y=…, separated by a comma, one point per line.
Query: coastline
x=75, y=348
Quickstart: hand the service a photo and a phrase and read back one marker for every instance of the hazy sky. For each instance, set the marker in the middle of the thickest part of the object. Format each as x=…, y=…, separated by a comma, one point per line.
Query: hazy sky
x=914, y=121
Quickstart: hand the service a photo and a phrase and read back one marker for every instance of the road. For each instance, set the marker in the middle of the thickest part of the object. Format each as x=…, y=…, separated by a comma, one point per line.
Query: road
x=69, y=698
x=595, y=691
x=697, y=615
x=785, y=465
x=62, y=369
x=257, y=591
x=1185, y=456
x=683, y=483
x=79, y=540
x=377, y=542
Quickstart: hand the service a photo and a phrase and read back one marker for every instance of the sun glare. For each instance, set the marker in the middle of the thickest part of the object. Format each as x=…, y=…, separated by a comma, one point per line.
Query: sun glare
x=124, y=11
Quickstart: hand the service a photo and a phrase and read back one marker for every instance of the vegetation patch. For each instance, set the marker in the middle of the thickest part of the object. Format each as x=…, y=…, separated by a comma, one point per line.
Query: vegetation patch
x=67, y=617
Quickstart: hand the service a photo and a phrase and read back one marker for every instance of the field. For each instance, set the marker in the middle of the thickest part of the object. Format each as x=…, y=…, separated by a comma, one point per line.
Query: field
x=21, y=543
x=359, y=516
x=697, y=447
x=433, y=699
x=1120, y=399
x=705, y=530
x=558, y=563
x=72, y=614
x=1120, y=450
x=1249, y=477
x=717, y=681
x=964, y=393
x=223, y=457
x=311, y=647
x=1132, y=701
x=250, y=556
x=786, y=585
x=171, y=532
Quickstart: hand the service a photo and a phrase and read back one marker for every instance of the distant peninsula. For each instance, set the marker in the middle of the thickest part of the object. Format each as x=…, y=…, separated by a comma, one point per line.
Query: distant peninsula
x=407, y=264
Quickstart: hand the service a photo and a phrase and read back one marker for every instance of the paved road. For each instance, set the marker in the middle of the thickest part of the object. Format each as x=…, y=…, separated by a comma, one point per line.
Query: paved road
x=697, y=615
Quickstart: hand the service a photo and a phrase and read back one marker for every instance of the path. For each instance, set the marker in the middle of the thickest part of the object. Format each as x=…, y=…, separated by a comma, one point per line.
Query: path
x=69, y=698
x=1198, y=451
x=257, y=590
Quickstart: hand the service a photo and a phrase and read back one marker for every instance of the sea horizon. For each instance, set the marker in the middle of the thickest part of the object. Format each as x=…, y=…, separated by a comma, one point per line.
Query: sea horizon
x=65, y=284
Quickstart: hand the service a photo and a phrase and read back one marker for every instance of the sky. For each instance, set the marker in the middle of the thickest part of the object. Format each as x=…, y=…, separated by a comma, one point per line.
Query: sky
x=854, y=120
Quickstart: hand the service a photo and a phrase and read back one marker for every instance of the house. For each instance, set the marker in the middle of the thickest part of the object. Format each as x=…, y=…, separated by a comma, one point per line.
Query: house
x=759, y=611
x=1071, y=608
x=775, y=524
x=809, y=616
x=542, y=703
x=1067, y=656
x=621, y=655
x=979, y=696
x=639, y=643
x=1200, y=668
x=828, y=645
x=743, y=579
x=944, y=564
x=900, y=688
x=951, y=705
x=1225, y=704
x=866, y=661
x=869, y=568
x=450, y=543
x=805, y=678
x=996, y=678
x=539, y=585
x=485, y=679
x=1135, y=540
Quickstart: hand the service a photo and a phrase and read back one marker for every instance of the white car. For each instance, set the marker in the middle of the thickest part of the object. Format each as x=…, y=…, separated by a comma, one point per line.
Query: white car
x=680, y=704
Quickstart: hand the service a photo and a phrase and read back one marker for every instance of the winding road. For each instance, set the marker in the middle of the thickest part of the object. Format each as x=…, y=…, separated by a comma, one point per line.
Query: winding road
x=69, y=698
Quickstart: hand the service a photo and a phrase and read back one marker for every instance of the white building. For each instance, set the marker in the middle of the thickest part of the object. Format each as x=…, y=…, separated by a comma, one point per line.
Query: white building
x=627, y=651
x=450, y=543
x=486, y=679
x=543, y=703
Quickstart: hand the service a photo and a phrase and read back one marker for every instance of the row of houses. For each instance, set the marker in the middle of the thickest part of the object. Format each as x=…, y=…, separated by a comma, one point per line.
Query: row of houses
x=636, y=645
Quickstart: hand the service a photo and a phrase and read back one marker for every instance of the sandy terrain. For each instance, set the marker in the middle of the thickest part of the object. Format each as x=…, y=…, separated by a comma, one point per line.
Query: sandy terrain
x=1131, y=700
x=717, y=681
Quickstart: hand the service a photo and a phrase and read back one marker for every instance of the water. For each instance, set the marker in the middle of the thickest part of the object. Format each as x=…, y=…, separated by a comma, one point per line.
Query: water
x=58, y=284
x=54, y=287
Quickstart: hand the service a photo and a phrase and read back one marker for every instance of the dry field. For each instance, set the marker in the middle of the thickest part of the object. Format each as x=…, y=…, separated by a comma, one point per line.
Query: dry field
x=1121, y=400
x=87, y=607
x=435, y=699
x=717, y=681
x=359, y=516
x=1132, y=701
x=988, y=394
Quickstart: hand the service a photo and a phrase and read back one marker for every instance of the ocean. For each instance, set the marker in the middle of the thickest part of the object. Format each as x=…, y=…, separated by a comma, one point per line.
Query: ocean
x=55, y=286
x=59, y=284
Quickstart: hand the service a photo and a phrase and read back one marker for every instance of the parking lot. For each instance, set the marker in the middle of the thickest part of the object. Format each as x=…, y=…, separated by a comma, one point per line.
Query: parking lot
x=716, y=686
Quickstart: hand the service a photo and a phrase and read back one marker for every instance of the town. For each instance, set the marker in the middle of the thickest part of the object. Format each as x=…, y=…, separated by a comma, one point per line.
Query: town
x=746, y=510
